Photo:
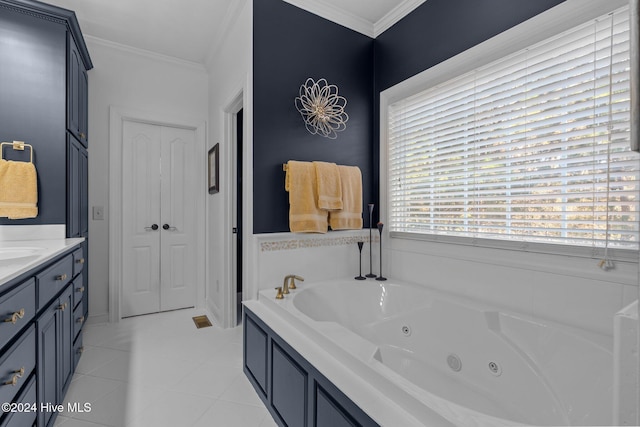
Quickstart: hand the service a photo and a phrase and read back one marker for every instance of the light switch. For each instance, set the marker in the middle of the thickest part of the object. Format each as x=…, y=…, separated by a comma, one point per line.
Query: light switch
x=98, y=213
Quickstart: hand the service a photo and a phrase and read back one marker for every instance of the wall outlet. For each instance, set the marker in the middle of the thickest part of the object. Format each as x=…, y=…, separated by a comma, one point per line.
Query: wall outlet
x=98, y=213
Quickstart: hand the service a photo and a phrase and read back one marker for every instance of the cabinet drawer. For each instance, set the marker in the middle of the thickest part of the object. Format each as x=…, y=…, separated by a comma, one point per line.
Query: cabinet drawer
x=78, y=319
x=17, y=308
x=17, y=364
x=53, y=279
x=78, y=290
x=27, y=409
x=78, y=261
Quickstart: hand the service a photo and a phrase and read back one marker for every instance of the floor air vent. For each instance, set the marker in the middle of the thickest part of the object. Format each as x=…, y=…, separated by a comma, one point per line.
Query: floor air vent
x=202, y=321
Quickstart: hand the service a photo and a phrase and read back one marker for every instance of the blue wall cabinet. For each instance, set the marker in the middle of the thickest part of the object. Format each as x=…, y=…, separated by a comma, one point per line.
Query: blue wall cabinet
x=77, y=93
x=77, y=191
x=295, y=393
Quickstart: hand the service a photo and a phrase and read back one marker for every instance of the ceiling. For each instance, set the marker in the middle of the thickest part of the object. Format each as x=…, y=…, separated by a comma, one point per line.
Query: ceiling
x=191, y=29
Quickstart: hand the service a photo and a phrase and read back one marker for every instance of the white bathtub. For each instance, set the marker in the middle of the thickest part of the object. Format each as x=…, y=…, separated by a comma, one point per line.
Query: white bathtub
x=472, y=364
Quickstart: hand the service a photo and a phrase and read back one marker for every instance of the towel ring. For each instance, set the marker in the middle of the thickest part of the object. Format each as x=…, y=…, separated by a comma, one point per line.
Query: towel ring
x=17, y=145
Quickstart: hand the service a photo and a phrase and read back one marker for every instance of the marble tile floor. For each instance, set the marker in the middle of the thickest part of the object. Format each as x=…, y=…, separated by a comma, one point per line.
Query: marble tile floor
x=160, y=370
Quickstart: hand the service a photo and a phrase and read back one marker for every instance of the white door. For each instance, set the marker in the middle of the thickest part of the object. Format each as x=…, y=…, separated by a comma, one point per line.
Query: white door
x=158, y=220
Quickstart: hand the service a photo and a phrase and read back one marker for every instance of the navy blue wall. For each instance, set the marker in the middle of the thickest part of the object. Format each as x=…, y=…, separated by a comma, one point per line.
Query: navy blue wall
x=291, y=45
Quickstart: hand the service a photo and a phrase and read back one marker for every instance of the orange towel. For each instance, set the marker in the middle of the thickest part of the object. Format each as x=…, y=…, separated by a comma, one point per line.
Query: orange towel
x=304, y=215
x=18, y=190
x=350, y=217
x=329, y=186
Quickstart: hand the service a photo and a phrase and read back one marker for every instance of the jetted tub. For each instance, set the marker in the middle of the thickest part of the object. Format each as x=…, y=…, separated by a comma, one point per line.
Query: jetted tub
x=472, y=364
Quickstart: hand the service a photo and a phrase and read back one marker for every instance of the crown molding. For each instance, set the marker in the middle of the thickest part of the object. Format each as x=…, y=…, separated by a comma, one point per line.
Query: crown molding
x=356, y=23
x=334, y=14
x=145, y=53
x=395, y=15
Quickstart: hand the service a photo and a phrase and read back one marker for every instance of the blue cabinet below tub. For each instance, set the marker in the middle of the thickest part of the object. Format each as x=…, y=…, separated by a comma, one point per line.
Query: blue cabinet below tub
x=295, y=393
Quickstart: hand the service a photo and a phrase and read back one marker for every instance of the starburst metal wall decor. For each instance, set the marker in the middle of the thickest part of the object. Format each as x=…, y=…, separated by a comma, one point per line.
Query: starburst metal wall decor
x=322, y=109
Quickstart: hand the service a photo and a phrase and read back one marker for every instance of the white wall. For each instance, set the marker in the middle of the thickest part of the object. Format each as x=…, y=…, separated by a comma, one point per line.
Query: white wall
x=133, y=80
x=229, y=78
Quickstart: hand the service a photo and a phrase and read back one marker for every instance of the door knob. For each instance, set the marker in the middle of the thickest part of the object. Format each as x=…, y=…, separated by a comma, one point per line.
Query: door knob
x=153, y=227
x=167, y=227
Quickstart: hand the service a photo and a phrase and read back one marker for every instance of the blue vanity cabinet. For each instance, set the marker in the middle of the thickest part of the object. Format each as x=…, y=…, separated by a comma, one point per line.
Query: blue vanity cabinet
x=294, y=391
x=40, y=350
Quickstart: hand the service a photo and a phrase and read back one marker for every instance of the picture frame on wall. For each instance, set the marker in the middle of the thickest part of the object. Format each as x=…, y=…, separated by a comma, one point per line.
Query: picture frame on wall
x=214, y=169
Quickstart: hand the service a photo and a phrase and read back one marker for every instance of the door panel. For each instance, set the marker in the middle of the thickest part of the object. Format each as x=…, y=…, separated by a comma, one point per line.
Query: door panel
x=178, y=199
x=141, y=202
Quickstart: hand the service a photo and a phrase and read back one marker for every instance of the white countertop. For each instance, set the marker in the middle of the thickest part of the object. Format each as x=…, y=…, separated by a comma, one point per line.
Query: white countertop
x=43, y=251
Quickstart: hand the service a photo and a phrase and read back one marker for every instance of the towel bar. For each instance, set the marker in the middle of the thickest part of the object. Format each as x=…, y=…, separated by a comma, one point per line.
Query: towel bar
x=17, y=145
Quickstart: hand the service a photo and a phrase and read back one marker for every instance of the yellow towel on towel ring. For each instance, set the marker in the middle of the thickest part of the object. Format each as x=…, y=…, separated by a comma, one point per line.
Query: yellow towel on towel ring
x=304, y=215
x=18, y=190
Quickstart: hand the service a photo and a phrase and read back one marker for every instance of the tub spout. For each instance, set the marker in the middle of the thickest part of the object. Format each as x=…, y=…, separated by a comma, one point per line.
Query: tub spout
x=292, y=283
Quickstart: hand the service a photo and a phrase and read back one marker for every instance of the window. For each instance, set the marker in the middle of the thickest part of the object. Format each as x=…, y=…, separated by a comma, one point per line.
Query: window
x=533, y=147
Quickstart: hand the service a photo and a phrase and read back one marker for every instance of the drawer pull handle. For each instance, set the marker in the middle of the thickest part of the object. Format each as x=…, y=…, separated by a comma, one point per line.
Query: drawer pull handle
x=15, y=316
x=16, y=376
x=62, y=277
x=80, y=350
x=63, y=306
x=83, y=135
x=80, y=319
x=80, y=289
x=80, y=261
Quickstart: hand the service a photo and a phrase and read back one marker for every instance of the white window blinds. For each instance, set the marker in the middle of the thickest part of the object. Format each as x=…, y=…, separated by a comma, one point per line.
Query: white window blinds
x=533, y=147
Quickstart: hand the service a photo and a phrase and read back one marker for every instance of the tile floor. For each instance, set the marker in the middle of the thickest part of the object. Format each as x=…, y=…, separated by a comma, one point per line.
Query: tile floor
x=160, y=370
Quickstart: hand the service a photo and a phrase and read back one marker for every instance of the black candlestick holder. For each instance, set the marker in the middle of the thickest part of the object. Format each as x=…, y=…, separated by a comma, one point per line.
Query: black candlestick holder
x=360, y=276
x=370, y=241
x=380, y=277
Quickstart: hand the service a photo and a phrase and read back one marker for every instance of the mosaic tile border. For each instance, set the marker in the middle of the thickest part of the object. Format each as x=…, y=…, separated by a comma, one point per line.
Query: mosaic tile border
x=292, y=244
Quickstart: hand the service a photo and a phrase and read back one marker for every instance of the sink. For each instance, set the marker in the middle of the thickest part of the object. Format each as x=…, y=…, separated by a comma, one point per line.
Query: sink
x=18, y=252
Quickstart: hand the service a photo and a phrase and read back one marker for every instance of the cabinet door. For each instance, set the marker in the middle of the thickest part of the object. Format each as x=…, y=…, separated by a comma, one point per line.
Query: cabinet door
x=73, y=192
x=76, y=93
x=48, y=359
x=77, y=191
x=66, y=341
x=55, y=352
x=83, y=177
x=83, y=91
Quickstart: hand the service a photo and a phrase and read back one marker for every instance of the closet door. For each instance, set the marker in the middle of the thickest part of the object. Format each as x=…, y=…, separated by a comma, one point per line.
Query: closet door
x=158, y=218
